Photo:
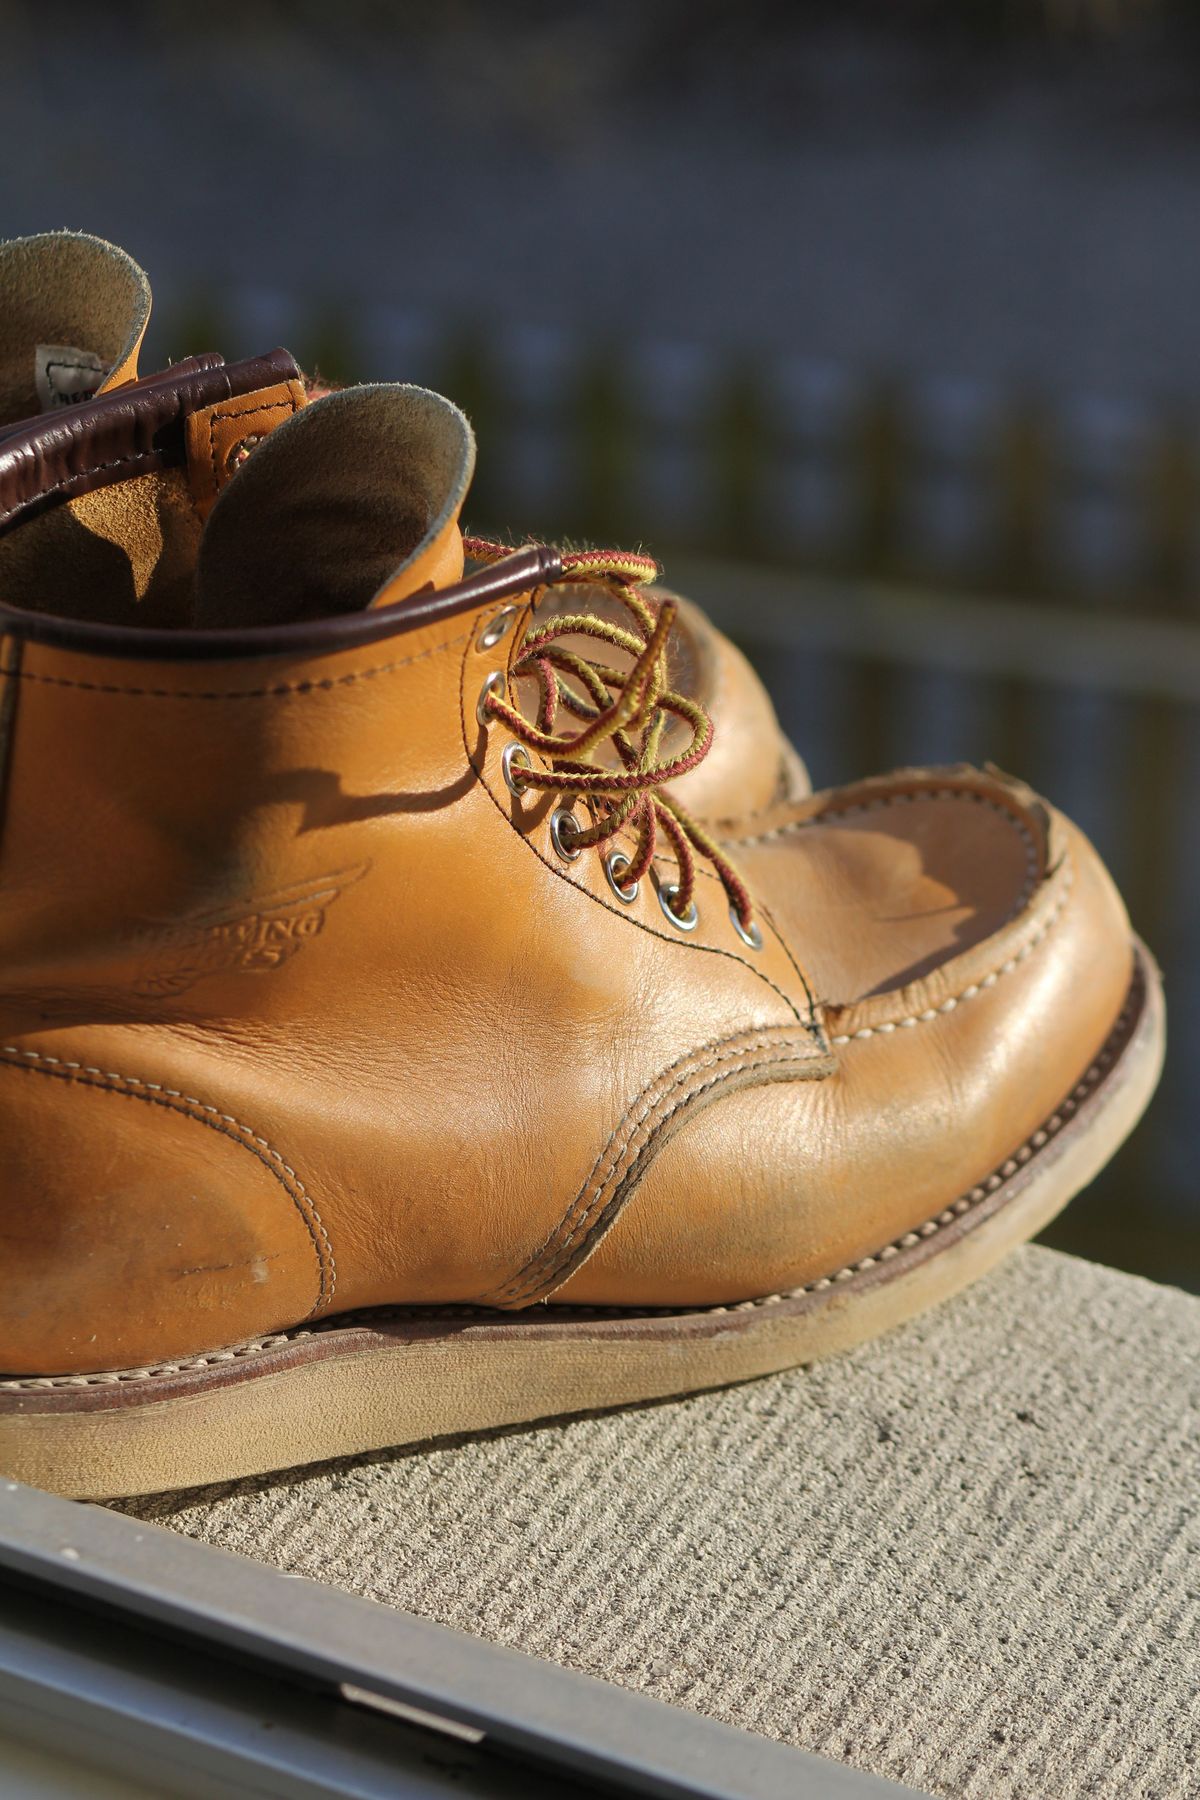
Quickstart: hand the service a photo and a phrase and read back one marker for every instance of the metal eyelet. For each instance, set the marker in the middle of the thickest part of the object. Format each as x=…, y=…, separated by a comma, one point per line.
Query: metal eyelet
x=753, y=937
x=564, y=829
x=496, y=628
x=615, y=865
x=241, y=453
x=512, y=775
x=687, y=921
x=493, y=685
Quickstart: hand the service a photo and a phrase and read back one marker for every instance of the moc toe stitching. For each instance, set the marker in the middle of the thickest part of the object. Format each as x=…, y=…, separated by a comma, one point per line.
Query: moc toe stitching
x=815, y=1190
x=929, y=1015
x=908, y=1242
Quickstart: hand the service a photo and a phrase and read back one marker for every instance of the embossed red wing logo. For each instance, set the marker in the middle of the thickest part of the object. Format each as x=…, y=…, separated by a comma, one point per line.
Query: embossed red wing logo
x=251, y=937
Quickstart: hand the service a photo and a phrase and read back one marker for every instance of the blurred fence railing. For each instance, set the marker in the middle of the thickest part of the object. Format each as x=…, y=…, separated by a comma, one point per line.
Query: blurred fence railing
x=783, y=459
x=921, y=575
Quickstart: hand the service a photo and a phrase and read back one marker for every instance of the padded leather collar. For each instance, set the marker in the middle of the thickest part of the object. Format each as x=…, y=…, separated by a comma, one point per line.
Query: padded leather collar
x=140, y=428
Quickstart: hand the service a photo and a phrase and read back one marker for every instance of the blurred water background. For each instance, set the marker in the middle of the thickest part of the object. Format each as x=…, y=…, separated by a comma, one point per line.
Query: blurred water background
x=878, y=323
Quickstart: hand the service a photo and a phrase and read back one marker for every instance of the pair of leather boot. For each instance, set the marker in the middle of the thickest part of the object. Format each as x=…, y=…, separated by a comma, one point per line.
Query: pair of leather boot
x=431, y=997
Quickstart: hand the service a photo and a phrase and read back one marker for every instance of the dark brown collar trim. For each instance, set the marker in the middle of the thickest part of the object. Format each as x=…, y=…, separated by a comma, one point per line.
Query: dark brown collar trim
x=131, y=431
x=47, y=460
x=538, y=566
x=191, y=365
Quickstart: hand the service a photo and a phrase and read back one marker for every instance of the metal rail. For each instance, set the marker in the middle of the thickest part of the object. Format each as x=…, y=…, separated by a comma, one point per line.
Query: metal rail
x=142, y=1652
x=959, y=633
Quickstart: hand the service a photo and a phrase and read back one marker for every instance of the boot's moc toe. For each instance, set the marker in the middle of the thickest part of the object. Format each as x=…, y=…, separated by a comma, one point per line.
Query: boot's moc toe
x=386, y=1049
x=972, y=957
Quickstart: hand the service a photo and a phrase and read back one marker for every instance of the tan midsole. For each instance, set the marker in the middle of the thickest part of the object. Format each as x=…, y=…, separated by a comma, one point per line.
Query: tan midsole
x=403, y=1391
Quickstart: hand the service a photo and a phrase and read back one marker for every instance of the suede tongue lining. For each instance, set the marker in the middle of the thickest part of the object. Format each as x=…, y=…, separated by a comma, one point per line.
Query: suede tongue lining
x=333, y=507
x=66, y=289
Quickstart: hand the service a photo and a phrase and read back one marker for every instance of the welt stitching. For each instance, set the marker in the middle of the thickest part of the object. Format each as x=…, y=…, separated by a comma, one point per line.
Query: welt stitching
x=324, y=685
x=1027, y=1152
x=885, y=1028
x=122, y=462
x=975, y=988
x=1035, y=1142
x=35, y=1062
x=613, y=1154
x=639, y=924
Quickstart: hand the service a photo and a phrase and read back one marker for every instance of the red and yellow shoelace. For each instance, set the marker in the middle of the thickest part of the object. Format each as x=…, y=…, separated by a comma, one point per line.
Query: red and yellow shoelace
x=627, y=708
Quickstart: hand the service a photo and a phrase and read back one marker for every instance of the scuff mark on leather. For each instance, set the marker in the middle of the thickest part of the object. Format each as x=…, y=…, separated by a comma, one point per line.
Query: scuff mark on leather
x=257, y=1266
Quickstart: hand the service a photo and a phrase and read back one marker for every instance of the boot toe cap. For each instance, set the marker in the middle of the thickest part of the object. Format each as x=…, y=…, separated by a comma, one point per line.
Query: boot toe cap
x=982, y=958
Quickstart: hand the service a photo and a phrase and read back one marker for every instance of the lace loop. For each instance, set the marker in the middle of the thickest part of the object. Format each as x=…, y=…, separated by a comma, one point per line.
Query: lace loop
x=625, y=710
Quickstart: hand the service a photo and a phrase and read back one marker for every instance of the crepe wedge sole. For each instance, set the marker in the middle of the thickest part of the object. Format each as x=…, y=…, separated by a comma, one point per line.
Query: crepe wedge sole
x=369, y=1381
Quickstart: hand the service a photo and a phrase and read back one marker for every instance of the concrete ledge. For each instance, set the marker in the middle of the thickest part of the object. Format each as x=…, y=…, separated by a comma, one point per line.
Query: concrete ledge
x=967, y=1556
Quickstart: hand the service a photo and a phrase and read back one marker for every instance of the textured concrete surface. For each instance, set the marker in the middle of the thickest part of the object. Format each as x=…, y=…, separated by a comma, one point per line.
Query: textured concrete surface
x=966, y=1556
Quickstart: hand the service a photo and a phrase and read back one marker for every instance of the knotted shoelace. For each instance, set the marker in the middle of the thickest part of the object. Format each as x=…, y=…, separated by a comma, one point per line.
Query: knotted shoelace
x=626, y=708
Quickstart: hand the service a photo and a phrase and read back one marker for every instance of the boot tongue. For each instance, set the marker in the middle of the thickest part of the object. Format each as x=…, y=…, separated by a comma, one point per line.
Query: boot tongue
x=73, y=311
x=352, y=503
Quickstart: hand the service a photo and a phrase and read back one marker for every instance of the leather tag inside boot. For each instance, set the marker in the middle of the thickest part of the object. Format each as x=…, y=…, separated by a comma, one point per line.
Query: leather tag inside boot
x=221, y=437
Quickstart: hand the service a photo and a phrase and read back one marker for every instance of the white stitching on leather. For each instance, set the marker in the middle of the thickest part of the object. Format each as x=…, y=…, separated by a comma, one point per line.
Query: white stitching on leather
x=1036, y=1141
x=976, y=987
x=625, y=1144
x=885, y=800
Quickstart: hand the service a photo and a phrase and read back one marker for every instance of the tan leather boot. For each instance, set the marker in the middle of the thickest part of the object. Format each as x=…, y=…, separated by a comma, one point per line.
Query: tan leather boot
x=73, y=313
x=384, y=1050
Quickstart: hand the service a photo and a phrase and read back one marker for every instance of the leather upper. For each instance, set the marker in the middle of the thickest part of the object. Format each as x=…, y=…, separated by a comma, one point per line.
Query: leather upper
x=73, y=287
x=303, y=1010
